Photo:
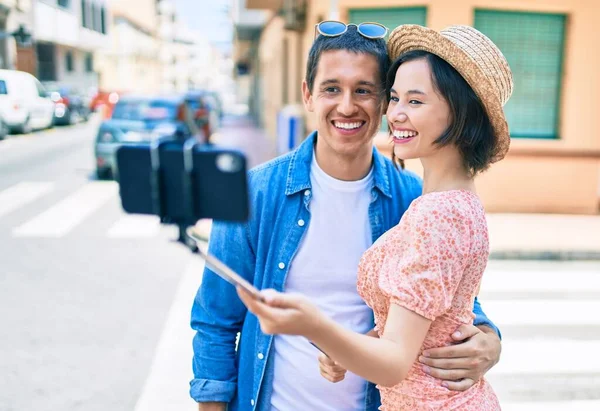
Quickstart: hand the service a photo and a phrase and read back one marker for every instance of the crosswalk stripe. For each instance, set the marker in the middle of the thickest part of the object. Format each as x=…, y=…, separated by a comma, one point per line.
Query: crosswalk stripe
x=592, y=405
x=548, y=357
x=21, y=194
x=543, y=312
x=523, y=281
x=135, y=226
x=64, y=216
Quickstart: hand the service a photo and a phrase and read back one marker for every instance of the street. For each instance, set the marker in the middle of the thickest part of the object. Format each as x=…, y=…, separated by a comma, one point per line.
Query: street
x=95, y=303
x=84, y=289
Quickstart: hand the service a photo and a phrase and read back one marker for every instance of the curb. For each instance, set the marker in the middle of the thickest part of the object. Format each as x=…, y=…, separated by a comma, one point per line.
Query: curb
x=546, y=255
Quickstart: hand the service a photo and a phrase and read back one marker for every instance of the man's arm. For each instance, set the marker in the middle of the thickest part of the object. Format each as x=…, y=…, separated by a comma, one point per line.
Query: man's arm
x=477, y=349
x=482, y=321
x=218, y=316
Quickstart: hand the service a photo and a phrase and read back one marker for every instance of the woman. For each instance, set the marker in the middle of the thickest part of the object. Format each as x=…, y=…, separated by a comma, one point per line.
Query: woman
x=446, y=91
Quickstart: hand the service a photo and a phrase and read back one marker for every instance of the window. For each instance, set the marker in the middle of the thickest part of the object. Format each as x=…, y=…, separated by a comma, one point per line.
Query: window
x=391, y=18
x=40, y=89
x=64, y=3
x=89, y=63
x=103, y=20
x=95, y=18
x=3, y=87
x=84, y=14
x=533, y=44
x=69, y=61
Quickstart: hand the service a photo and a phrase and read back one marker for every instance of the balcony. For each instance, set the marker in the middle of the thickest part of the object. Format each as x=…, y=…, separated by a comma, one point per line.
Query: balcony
x=55, y=24
x=248, y=23
x=272, y=5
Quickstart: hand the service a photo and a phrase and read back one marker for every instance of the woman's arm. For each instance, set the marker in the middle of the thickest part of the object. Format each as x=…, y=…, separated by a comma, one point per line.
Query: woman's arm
x=385, y=361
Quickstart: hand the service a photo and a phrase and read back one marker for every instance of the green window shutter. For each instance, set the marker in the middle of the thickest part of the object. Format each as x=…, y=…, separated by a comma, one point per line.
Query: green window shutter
x=391, y=18
x=533, y=44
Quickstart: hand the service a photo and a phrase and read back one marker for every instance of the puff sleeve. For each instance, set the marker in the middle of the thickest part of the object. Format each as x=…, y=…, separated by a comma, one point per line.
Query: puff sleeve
x=424, y=266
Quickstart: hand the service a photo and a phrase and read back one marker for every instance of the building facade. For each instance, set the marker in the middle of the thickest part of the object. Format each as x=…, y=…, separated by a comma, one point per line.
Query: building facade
x=553, y=165
x=67, y=34
x=130, y=63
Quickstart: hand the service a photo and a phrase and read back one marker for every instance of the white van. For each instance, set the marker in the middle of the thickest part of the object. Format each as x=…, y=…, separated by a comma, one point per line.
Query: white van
x=24, y=103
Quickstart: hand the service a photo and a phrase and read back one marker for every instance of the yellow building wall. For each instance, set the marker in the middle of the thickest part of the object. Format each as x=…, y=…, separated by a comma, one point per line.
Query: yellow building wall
x=559, y=176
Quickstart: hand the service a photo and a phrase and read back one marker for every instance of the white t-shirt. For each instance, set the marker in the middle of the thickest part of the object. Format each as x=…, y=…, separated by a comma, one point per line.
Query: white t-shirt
x=324, y=269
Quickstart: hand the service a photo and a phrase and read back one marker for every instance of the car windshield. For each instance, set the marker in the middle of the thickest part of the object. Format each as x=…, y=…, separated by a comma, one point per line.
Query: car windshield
x=145, y=110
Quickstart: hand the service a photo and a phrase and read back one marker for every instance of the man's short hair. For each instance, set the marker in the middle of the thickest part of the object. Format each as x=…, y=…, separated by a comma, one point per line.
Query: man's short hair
x=353, y=42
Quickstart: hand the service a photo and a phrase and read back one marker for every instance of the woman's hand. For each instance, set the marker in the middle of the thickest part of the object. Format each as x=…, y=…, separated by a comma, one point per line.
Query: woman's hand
x=330, y=370
x=283, y=313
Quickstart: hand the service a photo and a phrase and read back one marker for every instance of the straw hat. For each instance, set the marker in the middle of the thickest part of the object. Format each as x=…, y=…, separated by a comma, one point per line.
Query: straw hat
x=475, y=57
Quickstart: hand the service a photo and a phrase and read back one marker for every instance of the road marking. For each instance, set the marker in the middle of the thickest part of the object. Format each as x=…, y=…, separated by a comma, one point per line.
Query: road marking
x=21, y=194
x=546, y=356
x=543, y=312
x=167, y=385
x=549, y=280
x=66, y=215
x=592, y=405
x=135, y=226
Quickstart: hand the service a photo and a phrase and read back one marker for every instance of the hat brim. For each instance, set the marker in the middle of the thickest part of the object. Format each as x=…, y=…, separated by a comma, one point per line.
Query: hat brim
x=411, y=37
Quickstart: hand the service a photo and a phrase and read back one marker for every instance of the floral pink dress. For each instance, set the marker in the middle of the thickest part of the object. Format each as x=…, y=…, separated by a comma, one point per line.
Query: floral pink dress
x=430, y=263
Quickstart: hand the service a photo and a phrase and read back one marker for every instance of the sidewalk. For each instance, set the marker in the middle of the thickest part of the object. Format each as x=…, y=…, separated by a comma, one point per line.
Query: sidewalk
x=544, y=236
x=241, y=132
x=512, y=236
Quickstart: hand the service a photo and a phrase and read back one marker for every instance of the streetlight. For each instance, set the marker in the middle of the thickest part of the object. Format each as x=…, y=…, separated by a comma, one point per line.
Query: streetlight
x=22, y=36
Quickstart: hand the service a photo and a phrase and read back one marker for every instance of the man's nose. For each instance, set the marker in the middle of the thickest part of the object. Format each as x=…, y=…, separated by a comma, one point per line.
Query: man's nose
x=347, y=106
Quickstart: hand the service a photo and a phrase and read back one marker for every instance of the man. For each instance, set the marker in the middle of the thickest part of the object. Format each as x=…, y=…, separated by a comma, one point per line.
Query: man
x=314, y=212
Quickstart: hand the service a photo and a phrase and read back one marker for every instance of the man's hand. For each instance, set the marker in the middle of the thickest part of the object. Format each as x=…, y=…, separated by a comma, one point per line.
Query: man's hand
x=462, y=365
x=330, y=370
x=212, y=406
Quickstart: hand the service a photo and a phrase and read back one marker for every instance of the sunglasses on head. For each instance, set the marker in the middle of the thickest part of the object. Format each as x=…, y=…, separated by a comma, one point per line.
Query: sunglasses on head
x=332, y=28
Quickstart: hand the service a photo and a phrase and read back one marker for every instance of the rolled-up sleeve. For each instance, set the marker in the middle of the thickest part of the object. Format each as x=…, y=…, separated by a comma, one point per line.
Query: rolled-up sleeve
x=218, y=316
x=482, y=319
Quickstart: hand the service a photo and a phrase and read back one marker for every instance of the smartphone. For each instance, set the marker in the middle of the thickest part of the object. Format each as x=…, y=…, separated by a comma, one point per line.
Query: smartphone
x=183, y=182
x=223, y=270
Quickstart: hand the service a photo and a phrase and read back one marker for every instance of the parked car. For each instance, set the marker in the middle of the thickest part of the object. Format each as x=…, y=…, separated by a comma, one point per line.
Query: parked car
x=24, y=102
x=71, y=105
x=3, y=129
x=141, y=119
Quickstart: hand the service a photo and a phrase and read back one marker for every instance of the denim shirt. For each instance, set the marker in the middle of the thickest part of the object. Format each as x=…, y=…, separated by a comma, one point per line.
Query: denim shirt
x=262, y=250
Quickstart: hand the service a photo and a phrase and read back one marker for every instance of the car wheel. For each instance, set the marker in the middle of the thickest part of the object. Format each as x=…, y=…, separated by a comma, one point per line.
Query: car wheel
x=26, y=127
x=3, y=130
x=74, y=117
x=103, y=173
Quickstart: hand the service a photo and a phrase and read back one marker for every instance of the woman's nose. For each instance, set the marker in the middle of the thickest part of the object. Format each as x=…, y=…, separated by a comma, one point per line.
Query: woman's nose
x=398, y=117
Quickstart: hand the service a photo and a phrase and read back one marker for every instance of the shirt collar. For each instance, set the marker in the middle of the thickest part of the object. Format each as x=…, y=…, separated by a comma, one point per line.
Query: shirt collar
x=298, y=178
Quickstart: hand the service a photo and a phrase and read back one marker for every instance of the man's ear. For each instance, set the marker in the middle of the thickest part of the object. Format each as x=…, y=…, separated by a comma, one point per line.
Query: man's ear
x=307, y=97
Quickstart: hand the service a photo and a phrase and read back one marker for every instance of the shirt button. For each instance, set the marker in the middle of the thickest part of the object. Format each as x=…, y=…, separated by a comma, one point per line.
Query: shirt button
x=281, y=266
x=307, y=193
x=252, y=402
x=261, y=356
x=301, y=223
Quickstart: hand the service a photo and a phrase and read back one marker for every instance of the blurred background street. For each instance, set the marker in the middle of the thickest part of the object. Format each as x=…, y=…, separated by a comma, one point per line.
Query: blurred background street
x=95, y=303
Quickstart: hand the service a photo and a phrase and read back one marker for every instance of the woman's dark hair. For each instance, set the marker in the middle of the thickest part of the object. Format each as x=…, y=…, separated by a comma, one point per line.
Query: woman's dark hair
x=470, y=129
